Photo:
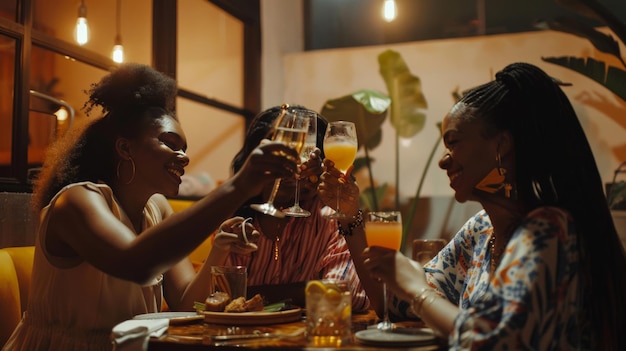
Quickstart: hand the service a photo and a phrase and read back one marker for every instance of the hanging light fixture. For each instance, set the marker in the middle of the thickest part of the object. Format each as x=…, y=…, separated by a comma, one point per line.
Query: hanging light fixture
x=118, y=49
x=389, y=10
x=82, y=30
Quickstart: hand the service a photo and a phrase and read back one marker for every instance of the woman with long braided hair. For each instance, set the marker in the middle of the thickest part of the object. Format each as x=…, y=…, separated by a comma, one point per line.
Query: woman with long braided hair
x=541, y=266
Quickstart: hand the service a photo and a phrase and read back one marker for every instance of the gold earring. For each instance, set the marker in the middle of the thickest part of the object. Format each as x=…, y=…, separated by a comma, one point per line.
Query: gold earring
x=132, y=167
x=494, y=181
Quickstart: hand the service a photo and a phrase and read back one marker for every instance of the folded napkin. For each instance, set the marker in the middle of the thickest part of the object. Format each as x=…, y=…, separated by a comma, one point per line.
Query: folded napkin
x=133, y=335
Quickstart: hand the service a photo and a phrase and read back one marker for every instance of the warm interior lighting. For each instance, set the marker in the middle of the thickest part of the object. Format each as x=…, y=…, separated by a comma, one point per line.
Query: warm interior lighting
x=82, y=30
x=118, y=49
x=61, y=114
x=389, y=10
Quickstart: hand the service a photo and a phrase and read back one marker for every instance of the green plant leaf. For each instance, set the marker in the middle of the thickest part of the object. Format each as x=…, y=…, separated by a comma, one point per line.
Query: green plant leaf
x=617, y=194
x=580, y=7
x=366, y=108
x=366, y=198
x=596, y=10
x=601, y=41
x=413, y=206
x=406, y=94
x=360, y=162
x=612, y=78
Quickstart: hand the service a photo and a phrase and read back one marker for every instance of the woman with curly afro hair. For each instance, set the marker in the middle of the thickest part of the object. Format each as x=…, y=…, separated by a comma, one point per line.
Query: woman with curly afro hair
x=108, y=247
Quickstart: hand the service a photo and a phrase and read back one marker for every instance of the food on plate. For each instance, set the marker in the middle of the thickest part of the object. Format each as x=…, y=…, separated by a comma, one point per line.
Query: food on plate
x=216, y=302
x=255, y=303
x=240, y=304
x=221, y=302
x=236, y=305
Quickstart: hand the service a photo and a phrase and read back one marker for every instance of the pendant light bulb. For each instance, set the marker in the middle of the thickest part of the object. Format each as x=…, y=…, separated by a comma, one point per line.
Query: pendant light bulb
x=82, y=29
x=118, y=50
x=389, y=10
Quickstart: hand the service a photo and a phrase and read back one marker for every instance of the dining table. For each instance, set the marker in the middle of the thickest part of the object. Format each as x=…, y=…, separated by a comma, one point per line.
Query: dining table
x=198, y=334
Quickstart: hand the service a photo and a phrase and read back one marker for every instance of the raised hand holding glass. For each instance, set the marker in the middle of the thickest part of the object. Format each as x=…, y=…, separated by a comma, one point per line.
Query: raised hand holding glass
x=384, y=229
x=309, y=145
x=290, y=129
x=340, y=146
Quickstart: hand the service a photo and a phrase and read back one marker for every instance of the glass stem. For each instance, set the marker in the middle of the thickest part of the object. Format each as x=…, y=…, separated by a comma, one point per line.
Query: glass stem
x=274, y=191
x=296, y=202
x=338, y=198
x=385, y=306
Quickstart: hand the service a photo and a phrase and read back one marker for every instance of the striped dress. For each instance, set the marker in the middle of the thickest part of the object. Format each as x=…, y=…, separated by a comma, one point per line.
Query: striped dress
x=309, y=248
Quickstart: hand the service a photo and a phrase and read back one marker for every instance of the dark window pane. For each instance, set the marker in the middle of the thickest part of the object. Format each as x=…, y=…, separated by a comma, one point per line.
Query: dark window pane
x=215, y=56
x=7, y=80
x=57, y=95
x=8, y=9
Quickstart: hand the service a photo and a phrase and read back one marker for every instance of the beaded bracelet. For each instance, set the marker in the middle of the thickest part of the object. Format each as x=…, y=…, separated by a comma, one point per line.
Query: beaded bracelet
x=358, y=222
x=419, y=300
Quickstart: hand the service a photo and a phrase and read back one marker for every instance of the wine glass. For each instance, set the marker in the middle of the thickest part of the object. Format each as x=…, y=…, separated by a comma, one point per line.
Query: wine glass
x=290, y=129
x=384, y=228
x=340, y=145
x=309, y=145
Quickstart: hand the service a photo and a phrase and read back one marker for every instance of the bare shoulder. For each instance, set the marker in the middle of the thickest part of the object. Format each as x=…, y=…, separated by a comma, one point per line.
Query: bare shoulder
x=78, y=199
x=72, y=209
x=164, y=206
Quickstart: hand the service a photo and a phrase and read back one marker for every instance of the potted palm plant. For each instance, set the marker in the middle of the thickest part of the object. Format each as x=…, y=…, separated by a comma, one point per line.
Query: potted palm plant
x=611, y=77
x=368, y=109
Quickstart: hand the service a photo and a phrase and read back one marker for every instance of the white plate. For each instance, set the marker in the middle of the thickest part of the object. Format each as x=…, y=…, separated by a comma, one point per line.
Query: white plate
x=174, y=317
x=401, y=337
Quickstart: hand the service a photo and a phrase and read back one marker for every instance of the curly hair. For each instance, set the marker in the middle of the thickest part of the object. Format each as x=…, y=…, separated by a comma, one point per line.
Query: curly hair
x=555, y=166
x=131, y=97
x=260, y=128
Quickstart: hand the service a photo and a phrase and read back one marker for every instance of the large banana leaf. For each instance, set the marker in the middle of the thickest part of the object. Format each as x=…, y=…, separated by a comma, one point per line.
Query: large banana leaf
x=367, y=109
x=601, y=41
x=596, y=10
x=405, y=91
x=611, y=77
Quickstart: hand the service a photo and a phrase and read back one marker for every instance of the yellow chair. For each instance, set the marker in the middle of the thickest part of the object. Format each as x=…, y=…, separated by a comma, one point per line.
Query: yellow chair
x=200, y=254
x=16, y=265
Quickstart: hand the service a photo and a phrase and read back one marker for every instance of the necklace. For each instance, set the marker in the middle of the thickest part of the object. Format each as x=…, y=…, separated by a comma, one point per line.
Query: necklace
x=276, y=252
x=274, y=227
x=495, y=257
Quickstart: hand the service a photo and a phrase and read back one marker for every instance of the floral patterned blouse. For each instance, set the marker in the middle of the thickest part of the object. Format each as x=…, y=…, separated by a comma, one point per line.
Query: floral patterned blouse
x=531, y=303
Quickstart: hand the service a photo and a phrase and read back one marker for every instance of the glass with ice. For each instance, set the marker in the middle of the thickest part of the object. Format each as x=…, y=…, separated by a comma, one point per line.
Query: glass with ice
x=328, y=313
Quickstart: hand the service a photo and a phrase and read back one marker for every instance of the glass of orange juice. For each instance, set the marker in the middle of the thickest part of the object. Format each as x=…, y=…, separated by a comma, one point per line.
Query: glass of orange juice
x=384, y=228
x=340, y=146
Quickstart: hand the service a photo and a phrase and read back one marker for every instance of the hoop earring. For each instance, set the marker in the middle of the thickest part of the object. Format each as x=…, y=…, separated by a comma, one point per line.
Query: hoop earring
x=132, y=167
x=494, y=181
x=539, y=191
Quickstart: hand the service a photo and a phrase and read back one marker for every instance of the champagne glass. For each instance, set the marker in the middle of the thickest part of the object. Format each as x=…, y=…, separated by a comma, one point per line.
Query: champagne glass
x=340, y=145
x=290, y=129
x=309, y=145
x=384, y=228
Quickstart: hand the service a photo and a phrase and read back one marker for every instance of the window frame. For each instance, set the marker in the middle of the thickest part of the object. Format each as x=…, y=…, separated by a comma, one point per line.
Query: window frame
x=164, y=24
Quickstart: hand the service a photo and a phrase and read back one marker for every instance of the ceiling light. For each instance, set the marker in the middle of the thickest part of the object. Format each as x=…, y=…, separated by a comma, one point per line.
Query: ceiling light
x=389, y=10
x=118, y=49
x=82, y=30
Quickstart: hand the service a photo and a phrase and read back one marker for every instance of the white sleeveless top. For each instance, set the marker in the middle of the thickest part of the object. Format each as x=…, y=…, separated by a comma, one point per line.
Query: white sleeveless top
x=75, y=307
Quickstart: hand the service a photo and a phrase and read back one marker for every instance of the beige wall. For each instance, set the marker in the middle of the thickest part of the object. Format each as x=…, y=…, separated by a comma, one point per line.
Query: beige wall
x=311, y=78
